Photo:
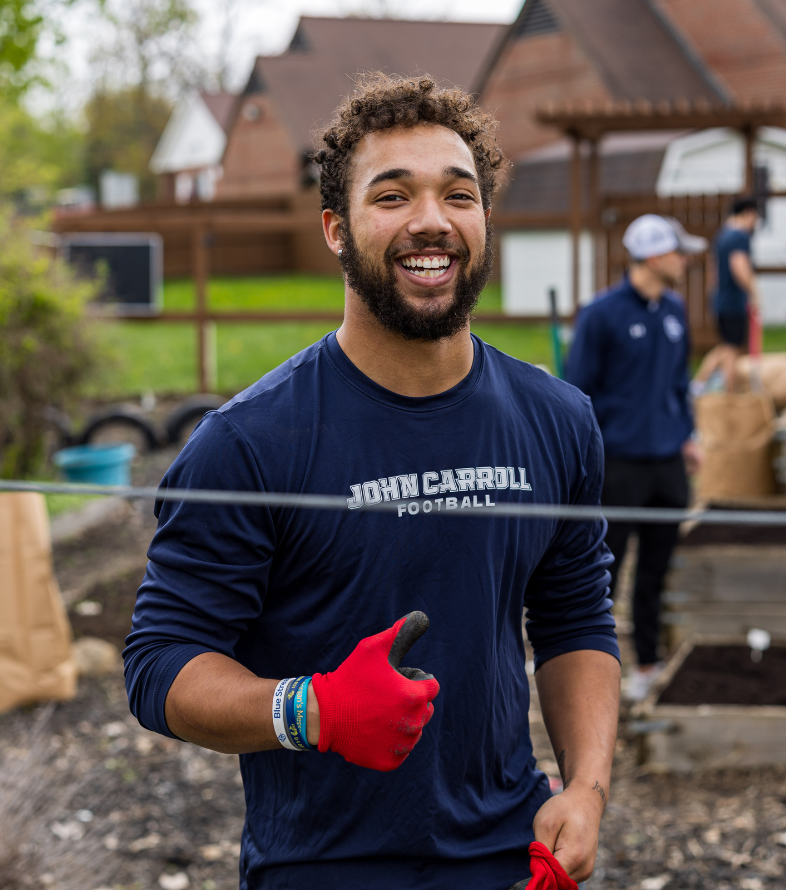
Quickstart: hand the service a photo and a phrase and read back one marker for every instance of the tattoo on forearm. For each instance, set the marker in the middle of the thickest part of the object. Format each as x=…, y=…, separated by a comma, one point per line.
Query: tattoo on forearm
x=599, y=788
x=561, y=758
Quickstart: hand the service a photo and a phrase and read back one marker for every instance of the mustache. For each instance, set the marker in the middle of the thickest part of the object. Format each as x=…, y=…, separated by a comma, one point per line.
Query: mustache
x=416, y=245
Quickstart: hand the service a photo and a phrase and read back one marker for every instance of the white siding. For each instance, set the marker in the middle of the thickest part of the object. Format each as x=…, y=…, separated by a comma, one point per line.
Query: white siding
x=712, y=162
x=533, y=262
x=118, y=190
x=773, y=298
x=192, y=139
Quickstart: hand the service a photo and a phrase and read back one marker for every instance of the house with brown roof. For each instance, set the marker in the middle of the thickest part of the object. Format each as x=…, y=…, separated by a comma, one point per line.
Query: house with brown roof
x=640, y=52
x=290, y=95
x=187, y=159
x=556, y=51
x=587, y=51
x=597, y=51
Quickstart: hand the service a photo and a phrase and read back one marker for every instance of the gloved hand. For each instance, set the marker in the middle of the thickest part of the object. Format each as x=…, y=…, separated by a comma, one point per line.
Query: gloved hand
x=371, y=711
x=547, y=873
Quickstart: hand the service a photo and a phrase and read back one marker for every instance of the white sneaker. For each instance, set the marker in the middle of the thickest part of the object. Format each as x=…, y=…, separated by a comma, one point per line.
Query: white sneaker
x=639, y=682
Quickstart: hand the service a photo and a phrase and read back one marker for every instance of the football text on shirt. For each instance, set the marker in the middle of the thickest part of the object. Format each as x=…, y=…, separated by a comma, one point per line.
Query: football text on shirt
x=443, y=482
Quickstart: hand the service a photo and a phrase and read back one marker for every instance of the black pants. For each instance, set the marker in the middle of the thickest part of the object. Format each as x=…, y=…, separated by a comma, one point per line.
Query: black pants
x=645, y=483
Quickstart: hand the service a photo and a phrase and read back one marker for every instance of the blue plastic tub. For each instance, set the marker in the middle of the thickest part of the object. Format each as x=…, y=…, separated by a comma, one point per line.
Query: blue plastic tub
x=97, y=464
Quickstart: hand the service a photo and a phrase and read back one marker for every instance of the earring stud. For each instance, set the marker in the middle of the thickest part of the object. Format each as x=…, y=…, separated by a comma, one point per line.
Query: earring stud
x=340, y=251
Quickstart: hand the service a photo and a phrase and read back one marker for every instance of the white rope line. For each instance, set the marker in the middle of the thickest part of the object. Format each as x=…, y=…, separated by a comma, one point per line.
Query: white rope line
x=650, y=515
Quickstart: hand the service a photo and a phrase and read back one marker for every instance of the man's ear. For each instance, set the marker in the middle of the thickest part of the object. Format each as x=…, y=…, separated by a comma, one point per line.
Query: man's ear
x=331, y=226
x=487, y=213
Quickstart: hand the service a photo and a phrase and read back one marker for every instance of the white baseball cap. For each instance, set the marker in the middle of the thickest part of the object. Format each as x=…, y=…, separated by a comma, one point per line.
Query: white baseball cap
x=652, y=235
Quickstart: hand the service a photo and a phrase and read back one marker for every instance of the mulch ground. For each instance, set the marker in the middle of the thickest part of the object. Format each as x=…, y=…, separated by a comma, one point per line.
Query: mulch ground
x=99, y=802
x=158, y=810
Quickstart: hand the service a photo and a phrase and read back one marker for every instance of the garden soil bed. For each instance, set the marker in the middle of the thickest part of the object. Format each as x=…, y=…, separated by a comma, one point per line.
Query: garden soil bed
x=738, y=535
x=115, y=599
x=727, y=675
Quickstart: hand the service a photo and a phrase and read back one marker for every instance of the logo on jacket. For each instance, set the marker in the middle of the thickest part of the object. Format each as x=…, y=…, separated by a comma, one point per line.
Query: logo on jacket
x=637, y=331
x=673, y=328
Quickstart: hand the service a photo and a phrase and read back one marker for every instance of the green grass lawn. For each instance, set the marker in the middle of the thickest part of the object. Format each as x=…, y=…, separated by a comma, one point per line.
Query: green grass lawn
x=62, y=503
x=281, y=293
x=160, y=358
x=270, y=293
x=775, y=340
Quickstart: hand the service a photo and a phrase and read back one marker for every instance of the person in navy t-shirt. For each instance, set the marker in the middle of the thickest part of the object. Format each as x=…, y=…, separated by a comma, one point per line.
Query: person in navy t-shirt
x=736, y=292
x=424, y=778
x=630, y=356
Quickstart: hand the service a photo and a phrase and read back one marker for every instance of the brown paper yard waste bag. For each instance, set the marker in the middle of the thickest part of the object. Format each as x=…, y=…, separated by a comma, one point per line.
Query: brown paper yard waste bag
x=35, y=638
x=736, y=433
x=767, y=372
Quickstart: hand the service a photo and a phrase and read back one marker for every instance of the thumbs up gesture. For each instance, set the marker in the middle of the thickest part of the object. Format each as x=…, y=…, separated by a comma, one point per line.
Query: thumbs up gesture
x=371, y=710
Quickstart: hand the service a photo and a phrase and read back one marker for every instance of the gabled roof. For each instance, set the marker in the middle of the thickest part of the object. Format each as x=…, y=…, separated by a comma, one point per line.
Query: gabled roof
x=309, y=80
x=193, y=137
x=740, y=41
x=775, y=10
x=634, y=49
x=221, y=106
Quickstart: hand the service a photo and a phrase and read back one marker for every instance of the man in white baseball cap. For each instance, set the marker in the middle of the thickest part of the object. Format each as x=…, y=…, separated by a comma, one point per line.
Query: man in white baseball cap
x=653, y=236
x=630, y=356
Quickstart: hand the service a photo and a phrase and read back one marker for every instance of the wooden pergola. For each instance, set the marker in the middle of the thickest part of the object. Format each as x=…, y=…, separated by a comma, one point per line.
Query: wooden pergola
x=588, y=122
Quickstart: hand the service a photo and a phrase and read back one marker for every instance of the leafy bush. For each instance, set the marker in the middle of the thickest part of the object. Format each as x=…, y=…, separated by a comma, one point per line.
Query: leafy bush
x=48, y=350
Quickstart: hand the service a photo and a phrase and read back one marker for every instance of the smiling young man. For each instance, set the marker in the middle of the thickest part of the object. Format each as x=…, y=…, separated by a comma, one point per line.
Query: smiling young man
x=401, y=405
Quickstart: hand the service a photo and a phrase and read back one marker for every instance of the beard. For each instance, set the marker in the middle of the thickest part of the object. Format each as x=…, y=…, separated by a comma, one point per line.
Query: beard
x=378, y=287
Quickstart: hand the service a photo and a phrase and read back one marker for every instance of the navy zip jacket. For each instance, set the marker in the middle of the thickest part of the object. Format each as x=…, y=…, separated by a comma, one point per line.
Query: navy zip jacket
x=291, y=591
x=630, y=356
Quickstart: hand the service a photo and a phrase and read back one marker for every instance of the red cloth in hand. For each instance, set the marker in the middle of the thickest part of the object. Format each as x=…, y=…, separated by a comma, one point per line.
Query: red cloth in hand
x=547, y=873
x=755, y=333
x=368, y=712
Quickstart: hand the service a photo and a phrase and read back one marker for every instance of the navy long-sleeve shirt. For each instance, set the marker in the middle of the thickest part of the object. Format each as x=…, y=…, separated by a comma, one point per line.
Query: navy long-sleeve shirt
x=289, y=591
x=630, y=356
x=730, y=298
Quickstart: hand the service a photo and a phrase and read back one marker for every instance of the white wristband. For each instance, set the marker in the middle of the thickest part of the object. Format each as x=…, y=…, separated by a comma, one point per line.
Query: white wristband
x=279, y=714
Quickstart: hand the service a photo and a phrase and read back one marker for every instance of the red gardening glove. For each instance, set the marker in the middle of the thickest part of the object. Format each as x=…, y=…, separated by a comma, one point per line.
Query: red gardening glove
x=372, y=712
x=547, y=873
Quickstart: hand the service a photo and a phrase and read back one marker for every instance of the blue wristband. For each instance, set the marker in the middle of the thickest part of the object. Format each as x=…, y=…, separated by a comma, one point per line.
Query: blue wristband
x=301, y=712
x=296, y=705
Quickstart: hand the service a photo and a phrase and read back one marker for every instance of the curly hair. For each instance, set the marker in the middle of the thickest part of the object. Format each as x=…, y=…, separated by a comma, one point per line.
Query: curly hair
x=381, y=101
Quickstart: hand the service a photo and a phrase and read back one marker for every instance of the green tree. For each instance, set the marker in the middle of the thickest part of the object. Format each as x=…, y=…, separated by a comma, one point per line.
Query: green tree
x=47, y=350
x=36, y=155
x=21, y=24
x=154, y=39
x=145, y=64
x=123, y=127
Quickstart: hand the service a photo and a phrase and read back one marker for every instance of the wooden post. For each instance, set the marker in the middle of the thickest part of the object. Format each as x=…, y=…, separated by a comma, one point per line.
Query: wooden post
x=575, y=218
x=749, y=133
x=200, y=269
x=595, y=226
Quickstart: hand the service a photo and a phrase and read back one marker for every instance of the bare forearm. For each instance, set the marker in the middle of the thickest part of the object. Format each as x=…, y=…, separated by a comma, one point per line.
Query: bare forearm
x=579, y=699
x=754, y=293
x=743, y=273
x=217, y=703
